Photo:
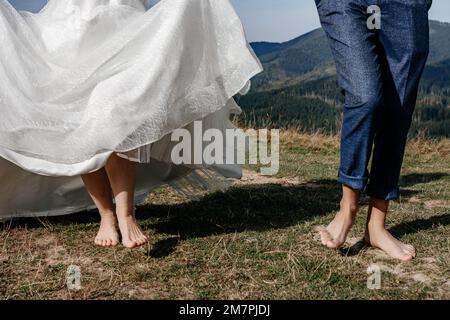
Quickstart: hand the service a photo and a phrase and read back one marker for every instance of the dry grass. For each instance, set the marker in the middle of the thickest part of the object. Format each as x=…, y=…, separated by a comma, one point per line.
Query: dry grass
x=316, y=141
x=255, y=241
x=421, y=145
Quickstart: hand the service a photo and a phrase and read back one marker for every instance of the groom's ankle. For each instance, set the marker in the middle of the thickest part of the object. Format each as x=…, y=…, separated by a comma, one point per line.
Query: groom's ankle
x=349, y=207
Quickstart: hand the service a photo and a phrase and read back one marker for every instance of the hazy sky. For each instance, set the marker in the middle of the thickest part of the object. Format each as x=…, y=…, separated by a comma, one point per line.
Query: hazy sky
x=274, y=20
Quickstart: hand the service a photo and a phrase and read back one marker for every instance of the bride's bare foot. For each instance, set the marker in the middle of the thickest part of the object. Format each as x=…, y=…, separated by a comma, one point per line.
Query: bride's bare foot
x=335, y=234
x=132, y=234
x=377, y=236
x=107, y=235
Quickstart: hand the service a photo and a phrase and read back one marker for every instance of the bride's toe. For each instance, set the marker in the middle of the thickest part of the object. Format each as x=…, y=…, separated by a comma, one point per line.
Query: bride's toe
x=409, y=249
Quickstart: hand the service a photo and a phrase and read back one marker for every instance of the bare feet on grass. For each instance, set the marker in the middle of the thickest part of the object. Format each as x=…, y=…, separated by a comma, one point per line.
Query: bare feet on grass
x=132, y=234
x=107, y=235
x=335, y=234
x=384, y=241
x=122, y=176
x=377, y=236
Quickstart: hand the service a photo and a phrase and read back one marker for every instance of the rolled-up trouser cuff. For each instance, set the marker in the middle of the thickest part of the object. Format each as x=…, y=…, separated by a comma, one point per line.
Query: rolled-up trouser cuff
x=373, y=192
x=356, y=183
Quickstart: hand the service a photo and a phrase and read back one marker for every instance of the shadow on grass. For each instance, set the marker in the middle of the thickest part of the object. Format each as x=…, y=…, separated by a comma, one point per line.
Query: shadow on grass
x=256, y=207
x=414, y=226
x=418, y=178
x=247, y=208
x=242, y=208
x=163, y=248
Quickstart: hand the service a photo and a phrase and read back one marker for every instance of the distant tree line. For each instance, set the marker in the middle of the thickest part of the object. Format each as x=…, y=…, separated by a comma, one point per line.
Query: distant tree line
x=317, y=106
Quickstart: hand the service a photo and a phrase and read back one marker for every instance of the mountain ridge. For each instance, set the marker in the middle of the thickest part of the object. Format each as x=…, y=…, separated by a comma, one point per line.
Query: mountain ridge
x=298, y=86
x=296, y=58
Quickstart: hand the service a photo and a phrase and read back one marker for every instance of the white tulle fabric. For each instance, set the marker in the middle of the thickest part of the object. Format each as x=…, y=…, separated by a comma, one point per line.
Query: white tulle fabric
x=82, y=79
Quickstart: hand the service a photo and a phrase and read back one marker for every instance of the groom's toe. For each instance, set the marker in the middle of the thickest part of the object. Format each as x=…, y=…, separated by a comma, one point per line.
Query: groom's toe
x=333, y=244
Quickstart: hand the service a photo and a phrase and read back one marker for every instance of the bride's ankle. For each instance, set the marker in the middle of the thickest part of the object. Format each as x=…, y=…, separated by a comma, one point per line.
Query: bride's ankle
x=126, y=215
x=107, y=214
x=125, y=211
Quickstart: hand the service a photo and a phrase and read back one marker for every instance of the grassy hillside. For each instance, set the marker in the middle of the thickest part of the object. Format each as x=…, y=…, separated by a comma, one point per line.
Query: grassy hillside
x=255, y=241
x=306, y=62
x=316, y=105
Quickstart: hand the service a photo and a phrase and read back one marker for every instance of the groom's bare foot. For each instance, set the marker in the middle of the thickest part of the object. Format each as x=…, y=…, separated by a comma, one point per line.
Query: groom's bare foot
x=380, y=238
x=335, y=234
x=107, y=235
x=377, y=235
x=132, y=234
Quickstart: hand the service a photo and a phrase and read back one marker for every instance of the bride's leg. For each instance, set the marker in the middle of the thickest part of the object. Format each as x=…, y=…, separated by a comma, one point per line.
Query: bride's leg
x=97, y=184
x=122, y=176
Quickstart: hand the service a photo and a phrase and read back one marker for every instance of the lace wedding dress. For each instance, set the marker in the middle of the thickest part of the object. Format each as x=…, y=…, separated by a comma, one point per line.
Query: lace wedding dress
x=82, y=79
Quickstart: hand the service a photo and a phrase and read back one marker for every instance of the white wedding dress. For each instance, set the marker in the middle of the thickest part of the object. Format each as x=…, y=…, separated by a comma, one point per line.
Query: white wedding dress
x=82, y=79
